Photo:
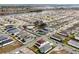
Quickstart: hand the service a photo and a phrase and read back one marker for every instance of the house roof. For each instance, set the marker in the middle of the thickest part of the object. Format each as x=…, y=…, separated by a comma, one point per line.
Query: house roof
x=73, y=43
x=4, y=39
x=41, y=41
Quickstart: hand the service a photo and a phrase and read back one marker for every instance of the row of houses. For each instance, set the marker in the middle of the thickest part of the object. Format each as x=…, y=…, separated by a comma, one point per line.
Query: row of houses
x=16, y=9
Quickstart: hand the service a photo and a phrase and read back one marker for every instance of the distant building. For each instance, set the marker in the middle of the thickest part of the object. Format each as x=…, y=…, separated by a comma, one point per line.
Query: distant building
x=12, y=10
x=4, y=10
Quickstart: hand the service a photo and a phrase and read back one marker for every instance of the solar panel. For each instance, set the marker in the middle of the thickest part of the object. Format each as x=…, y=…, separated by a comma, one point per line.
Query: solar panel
x=13, y=31
x=74, y=43
x=4, y=39
x=7, y=41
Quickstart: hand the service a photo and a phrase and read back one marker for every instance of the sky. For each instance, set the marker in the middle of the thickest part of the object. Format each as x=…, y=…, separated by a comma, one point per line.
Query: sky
x=39, y=1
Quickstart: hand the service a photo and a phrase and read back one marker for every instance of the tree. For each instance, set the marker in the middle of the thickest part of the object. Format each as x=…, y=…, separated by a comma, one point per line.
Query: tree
x=24, y=27
x=40, y=24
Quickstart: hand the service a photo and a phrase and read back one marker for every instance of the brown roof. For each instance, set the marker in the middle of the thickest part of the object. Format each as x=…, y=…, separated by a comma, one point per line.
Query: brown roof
x=40, y=41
